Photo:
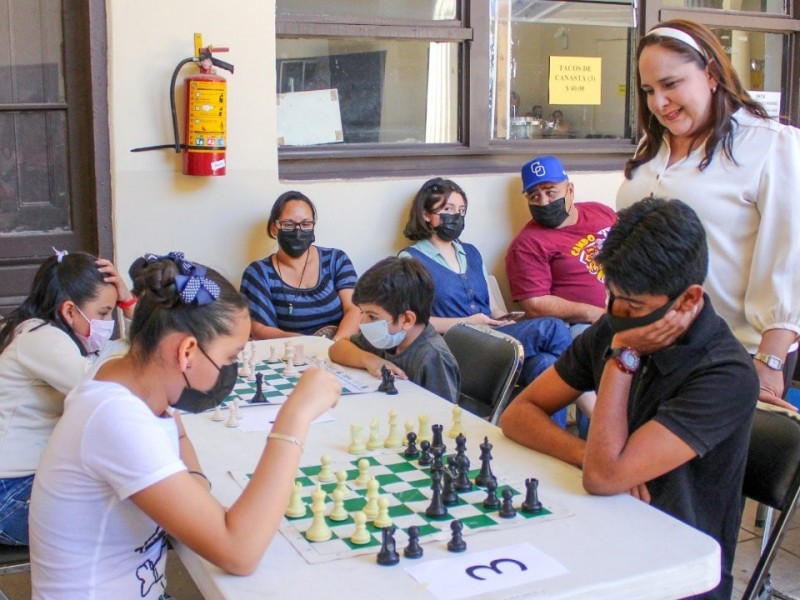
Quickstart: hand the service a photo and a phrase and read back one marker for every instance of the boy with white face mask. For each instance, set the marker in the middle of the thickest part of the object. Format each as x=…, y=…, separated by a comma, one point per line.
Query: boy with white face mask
x=395, y=297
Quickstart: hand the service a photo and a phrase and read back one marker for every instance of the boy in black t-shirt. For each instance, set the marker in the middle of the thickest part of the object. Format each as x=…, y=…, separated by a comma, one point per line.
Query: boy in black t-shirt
x=676, y=392
x=395, y=297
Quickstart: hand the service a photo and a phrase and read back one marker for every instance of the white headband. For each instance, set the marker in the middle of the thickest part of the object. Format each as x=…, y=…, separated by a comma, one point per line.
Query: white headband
x=677, y=34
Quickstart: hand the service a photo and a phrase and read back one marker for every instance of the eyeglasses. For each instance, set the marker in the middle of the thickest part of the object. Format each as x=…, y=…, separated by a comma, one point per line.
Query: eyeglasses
x=293, y=226
x=449, y=210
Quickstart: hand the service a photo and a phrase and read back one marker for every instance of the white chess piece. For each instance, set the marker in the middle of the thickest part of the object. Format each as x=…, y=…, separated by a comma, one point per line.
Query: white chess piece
x=371, y=507
x=217, y=414
x=289, y=370
x=251, y=376
x=341, y=483
x=356, y=440
x=288, y=348
x=296, y=506
x=319, y=530
x=374, y=441
x=360, y=536
x=409, y=428
x=456, y=428
x=363, y=472
x=424, y=429
x=273, y=355
x=325, y=474
x=383, y=519
x=338, y=513
x=393, y=440
x=244, y=369
x=299, y=359
x=232, y=420
x=237, y=408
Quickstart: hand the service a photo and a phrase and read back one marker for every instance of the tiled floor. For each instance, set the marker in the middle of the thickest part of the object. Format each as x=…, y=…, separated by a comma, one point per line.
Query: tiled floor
x=785, y=570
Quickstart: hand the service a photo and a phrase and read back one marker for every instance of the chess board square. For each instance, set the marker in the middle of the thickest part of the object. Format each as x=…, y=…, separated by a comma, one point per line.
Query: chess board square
x=401, y=467
x=400, y=510
x=476, y=521
x=373, y=542
x=354, y=504
x=412, y=495
x=387, y=479
x=305, y=481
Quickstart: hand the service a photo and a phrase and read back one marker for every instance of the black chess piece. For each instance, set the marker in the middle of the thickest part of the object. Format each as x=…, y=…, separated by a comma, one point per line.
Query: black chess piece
x=259, y=397
x=413, y=550
x=486, y=474
x=461, y=444
x=451, y=466
x=438, y=440
x=456, y=543
x=436, y=507
x=387, y=381
x=492, y=501
x=507, y=510
x=436, y=463
x=531, y=503
x=462, y=482
x=388, y=556
x=425, y=454
x=411, y=451
x=449, y=496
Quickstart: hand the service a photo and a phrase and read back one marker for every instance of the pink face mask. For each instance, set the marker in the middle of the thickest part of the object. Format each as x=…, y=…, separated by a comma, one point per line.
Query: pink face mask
x=100, y=331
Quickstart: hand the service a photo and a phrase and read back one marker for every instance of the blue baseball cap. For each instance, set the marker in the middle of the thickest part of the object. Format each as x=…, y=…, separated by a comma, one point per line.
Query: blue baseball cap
x=544, y=169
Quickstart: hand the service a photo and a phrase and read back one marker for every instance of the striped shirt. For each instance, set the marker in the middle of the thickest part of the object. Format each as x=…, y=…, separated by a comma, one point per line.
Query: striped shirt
x=276, y=304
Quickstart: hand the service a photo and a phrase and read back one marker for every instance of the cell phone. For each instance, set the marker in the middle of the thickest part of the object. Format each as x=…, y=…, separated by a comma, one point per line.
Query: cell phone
x=514, y=315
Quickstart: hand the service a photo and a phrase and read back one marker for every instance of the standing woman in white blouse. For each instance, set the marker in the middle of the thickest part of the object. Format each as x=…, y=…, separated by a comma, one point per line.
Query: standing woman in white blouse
x=709, y=144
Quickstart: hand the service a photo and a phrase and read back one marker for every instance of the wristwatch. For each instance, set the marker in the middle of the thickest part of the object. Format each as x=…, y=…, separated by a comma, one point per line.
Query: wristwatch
x=772, y=361
x=627, y=359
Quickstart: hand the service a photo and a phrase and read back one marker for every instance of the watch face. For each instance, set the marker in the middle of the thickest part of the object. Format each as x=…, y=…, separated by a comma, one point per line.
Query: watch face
x=629, y=360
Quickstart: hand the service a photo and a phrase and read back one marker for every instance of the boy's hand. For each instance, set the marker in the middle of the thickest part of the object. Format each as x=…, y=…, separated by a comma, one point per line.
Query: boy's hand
x=374, y=365
x=656, y=336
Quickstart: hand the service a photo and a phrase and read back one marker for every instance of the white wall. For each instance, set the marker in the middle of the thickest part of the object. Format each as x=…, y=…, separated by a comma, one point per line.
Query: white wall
x=221, y=220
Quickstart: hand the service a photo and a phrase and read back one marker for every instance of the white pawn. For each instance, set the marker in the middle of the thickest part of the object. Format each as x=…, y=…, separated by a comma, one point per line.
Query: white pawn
x=360, y=536
x=319, y=530
x=371, y=507
x=296, y=506
x=374, y=441
x=325, y=474
x=237, y=404
x=251, y=376
x=456, y=428
x=338, y=513
x=289, y=370
x=409, y=428
x=232, y=420
x=299, y=359
x=363, y=472
x=217, y=414
x=356, y=440
x=383, y=519
x=341, y=483
x=393, y=440
x=273, y=355
x=288, y=350
x=424, y=429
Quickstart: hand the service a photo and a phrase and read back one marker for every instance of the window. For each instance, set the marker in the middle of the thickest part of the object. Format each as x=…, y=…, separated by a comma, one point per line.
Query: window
x=467, y=86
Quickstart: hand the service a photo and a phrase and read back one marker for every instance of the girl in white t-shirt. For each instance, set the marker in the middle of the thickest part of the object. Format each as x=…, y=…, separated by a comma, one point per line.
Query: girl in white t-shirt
x=119, y=472
x=46, y=346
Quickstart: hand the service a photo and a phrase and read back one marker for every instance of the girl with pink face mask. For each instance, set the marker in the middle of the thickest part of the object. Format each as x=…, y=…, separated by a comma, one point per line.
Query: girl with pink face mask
x=46, y=347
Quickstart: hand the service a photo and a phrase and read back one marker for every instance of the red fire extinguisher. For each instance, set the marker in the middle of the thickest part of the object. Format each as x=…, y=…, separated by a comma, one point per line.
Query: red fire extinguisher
x=206, y=132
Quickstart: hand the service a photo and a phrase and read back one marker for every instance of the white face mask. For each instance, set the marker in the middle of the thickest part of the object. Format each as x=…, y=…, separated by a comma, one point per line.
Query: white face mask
x=377, y=334
x=100, y=331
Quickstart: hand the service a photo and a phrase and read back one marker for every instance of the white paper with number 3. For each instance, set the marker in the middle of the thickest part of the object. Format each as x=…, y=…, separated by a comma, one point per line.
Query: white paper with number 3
x=491, y=570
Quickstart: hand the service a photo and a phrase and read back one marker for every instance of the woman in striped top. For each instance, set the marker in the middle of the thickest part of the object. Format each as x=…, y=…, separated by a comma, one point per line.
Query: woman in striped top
x=301, y=289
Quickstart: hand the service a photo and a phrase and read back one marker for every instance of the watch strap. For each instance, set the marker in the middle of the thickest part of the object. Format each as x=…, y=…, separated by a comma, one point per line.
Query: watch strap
x=772, y=361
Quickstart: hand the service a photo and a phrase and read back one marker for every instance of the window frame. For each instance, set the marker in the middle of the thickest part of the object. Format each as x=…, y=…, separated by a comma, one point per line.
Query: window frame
x=477, y=153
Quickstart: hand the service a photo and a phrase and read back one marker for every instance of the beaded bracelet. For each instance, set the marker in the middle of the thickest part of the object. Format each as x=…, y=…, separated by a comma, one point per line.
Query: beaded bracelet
x=285, y=438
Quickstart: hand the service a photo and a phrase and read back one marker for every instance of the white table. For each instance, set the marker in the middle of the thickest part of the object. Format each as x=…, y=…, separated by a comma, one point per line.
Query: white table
x=613, y=547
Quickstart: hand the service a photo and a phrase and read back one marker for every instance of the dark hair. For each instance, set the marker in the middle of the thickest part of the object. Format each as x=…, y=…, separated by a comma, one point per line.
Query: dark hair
x=161, y=311
x=729, y=97
x=656, y=247
x=432, y=193
x=397, y=285
x=75, y=278
x=281, y=202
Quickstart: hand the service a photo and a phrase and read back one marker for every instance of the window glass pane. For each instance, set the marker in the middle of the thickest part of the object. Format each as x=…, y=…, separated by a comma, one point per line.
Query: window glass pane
x=386, y=9
x=758, y=58
x=762, y=6
x=560, y=69
x=383, y=91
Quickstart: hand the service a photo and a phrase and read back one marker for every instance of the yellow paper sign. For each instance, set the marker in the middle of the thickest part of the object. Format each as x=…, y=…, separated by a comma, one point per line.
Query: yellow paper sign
x=575, y=79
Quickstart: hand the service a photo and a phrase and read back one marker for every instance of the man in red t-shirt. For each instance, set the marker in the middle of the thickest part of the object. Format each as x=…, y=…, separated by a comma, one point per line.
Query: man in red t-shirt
x=551, y=264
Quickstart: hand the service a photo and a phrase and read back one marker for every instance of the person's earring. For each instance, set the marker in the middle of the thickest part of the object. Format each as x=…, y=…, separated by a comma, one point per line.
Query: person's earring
x=188, y=366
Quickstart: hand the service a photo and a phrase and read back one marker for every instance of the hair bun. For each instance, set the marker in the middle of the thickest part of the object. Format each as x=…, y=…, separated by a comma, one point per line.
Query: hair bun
x=157, y=279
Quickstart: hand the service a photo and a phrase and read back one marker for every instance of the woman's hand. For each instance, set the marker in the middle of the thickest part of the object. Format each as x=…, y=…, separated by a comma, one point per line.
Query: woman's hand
x=482, y=319
x=771, y=386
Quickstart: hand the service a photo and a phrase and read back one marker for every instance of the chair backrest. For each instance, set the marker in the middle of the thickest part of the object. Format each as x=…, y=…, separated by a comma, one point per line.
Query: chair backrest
x=490, y=364
x=14, y=559
x=772, y=477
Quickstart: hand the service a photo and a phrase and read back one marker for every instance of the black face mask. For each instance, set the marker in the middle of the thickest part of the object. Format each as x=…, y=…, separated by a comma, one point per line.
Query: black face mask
x=550, y=215
x=450, y=226
x=296, y=242
x=195, y=401
x=619, y=324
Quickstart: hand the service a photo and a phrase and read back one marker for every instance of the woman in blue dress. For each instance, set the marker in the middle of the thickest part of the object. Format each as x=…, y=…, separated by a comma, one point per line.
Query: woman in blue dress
x=301, y=289
x=435, y=224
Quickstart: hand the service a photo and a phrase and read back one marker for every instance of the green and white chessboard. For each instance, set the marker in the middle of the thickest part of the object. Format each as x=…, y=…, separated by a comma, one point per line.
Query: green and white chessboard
x=407, y=486
x=277, y=387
